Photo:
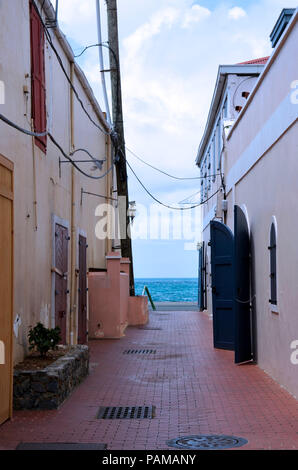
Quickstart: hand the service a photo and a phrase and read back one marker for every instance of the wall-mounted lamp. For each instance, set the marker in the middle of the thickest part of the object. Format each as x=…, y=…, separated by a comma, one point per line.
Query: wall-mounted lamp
x=132, y=210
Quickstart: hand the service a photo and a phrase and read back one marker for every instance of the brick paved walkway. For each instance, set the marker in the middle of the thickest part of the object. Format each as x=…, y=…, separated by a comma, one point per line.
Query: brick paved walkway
x=195, y=388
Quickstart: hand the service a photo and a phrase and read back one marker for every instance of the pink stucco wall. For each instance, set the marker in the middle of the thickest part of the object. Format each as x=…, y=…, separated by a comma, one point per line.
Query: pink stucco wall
x=111, y=309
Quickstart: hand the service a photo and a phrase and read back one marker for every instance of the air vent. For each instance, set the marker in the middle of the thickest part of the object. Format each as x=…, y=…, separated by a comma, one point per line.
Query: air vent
x=126, y=412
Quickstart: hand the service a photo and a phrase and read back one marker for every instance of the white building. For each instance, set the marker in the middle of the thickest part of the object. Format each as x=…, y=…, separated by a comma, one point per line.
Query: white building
x=252, y=257
x=233, y=86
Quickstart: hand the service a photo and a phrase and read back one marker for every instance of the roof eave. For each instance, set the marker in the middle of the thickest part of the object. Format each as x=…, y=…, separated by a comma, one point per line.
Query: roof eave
x=223, y=71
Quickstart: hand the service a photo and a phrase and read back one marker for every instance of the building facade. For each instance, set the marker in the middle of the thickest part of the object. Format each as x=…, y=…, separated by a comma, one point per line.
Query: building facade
x=254, y=234
x=233, y=86
x=48, y=205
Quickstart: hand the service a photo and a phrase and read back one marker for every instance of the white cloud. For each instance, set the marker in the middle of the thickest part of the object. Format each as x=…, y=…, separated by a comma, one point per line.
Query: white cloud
x=194, y=15
x=134, y=42
x=236, y=13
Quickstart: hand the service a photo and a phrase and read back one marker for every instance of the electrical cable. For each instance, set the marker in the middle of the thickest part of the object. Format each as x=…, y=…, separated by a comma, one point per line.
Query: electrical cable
x=102, y=44
x=167, y=174
x=166, y=205
x=96, y=161
x=192, y=195
x=24, y=131
x=74, y=164
x=101, y=63
x=48, y=36
x=42, y=134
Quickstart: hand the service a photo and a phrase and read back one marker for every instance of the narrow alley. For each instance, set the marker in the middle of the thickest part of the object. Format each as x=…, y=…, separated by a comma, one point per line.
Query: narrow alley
x=194, y=388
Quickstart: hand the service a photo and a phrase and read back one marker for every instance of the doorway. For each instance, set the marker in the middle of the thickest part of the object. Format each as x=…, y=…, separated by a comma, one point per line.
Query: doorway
x=6, y=286
x=61, y=278
x=222, y=274
x=82, y=297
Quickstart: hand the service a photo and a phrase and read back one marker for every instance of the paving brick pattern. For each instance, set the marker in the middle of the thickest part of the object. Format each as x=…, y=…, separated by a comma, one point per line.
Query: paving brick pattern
x=195, y=389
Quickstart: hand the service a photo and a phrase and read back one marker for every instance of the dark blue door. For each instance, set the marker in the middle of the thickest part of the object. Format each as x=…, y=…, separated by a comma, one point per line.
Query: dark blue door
x=201, y=278
x=243, y=339
x=222, y=249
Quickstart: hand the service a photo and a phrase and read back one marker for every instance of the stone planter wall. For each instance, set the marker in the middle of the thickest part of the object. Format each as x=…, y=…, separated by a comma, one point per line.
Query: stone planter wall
x=47, y=388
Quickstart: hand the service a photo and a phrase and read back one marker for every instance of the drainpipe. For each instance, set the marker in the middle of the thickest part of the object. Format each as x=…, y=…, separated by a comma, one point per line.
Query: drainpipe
x=34, y=179
x=73, y=290
x=102, y=71
x=109, y=185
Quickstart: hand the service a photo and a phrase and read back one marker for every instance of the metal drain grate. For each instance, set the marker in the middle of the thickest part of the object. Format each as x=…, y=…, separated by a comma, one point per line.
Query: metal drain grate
x=149, y=328
x=126, y=412
x=207, y=442
x=139, y=351
x=59, y=446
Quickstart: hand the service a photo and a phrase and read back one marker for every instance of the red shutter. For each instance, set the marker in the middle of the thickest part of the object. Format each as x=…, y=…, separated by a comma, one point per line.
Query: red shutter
x=38, y=88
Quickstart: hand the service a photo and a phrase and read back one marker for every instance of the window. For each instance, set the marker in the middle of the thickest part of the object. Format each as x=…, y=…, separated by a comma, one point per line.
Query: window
x=209, y=169
x=272, y=250
x=202, y=190
x=225, y=109
x=213, y=159
x=205, y=178
x=219, y=144
x=38, y=90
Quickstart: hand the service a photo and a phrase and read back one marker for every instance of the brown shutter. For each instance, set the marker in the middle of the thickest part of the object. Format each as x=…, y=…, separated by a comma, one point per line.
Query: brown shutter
x=38, y=88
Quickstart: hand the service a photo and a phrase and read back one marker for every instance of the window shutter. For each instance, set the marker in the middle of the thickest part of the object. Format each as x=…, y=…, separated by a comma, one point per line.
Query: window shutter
x=38, y=88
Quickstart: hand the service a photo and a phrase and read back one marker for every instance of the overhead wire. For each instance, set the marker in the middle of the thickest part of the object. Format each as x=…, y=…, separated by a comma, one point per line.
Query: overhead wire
x=165, y=173
x=106, y=45
x=189, y=197
x=98, y=163
x=74, y=164
x=47, y=133
x=166, y=205
x=113, y=137
x=50, y=41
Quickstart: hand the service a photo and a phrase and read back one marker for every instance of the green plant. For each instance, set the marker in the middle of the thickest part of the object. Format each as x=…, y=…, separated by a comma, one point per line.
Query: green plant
x=43, y=339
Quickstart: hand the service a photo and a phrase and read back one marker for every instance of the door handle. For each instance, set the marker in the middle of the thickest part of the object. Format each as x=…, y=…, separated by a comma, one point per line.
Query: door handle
x=214, y=291
x=62, y=313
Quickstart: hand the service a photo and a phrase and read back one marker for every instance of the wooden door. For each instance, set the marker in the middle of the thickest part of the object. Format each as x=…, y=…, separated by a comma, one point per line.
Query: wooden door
x=82, y=311
x=6, y=286
x=243, y=327
x=61, y=276
x=222, y=249
x=201, y=291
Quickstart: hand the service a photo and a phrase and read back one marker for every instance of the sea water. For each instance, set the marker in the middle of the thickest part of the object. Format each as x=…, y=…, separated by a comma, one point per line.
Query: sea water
x=169, y=289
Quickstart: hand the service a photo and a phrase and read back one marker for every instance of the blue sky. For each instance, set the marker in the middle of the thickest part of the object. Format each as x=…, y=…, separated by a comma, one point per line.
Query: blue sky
x=170, y=52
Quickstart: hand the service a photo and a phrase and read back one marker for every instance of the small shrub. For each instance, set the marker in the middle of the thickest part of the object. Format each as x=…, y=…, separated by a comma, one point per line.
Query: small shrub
x=43, y=339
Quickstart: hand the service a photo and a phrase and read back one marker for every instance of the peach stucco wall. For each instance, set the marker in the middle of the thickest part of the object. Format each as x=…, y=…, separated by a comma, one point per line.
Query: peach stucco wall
x=41, y=190
x=111, y=309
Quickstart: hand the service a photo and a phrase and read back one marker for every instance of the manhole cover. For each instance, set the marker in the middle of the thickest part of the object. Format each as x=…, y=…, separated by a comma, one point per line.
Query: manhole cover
x=207, y=442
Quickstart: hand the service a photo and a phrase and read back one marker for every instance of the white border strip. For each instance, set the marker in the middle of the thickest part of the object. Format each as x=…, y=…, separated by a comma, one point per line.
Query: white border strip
x=283, y=117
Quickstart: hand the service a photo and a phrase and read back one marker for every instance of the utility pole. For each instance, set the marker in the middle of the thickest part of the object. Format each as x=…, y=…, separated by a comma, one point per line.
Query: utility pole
x=119, y=142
